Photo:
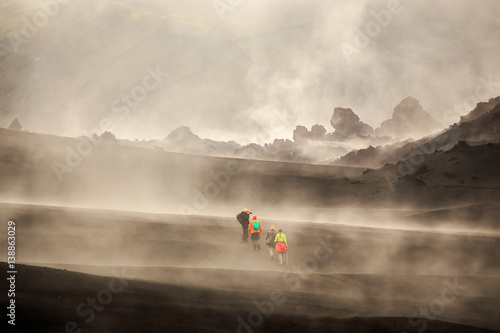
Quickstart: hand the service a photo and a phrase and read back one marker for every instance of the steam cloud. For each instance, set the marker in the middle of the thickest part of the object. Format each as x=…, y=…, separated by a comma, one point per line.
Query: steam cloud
x=250, y=77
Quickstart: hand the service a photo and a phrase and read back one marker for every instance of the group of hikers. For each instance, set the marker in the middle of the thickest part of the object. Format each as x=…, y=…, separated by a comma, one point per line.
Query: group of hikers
x=276, y=242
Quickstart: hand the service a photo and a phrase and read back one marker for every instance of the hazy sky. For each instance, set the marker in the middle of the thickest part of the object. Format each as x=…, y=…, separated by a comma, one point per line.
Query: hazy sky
x=244, y=70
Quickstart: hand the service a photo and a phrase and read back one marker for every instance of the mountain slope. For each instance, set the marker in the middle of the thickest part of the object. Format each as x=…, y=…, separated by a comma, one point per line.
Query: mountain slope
x=47, y=169
x=483, y=129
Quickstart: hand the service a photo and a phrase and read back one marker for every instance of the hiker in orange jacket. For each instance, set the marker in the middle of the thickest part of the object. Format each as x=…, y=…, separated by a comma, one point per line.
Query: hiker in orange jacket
x=255, y=229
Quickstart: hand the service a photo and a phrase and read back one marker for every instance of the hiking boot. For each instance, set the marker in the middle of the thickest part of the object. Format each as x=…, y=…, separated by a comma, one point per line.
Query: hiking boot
x=258, y=246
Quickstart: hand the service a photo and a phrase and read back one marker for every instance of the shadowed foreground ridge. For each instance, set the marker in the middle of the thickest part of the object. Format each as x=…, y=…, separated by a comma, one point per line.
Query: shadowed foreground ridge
x=152, y=307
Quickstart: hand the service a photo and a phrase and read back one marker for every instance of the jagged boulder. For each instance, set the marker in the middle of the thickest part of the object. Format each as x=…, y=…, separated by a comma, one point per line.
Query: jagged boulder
x=182, y=138
x=318, y=132
x=347, y=123
x=108, y=137
x=251, y=151
x=281, y=145
x=15, y=125
x=301, y=133
x=409, y=120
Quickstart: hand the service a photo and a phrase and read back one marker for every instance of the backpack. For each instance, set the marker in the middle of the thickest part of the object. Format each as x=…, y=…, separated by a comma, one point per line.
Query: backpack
x=256, y=225
x=281, y=247
x=239, y=218
x=270, y=238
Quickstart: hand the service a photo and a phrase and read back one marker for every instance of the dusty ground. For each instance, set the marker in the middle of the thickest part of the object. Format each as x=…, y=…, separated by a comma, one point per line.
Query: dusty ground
x=199, y=277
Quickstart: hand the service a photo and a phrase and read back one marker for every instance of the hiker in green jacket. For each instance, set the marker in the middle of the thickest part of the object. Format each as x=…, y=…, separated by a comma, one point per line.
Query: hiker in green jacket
x=281, y=246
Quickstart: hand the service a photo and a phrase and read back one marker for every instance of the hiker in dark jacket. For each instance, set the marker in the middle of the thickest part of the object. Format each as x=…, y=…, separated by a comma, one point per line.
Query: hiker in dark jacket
x=244, y=219
x=271, y=235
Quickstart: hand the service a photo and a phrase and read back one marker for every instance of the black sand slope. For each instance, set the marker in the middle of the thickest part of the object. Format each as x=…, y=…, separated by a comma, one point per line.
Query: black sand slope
x=51, y=300
x=189, y=276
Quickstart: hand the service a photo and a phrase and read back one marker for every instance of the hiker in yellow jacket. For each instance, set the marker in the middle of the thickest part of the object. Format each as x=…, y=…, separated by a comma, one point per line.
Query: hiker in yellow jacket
x=255, y=229
x=281, y=246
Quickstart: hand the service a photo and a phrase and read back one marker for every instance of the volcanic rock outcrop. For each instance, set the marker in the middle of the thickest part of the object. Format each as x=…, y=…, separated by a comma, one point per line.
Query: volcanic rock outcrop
x=347, y=123
x=409, y=120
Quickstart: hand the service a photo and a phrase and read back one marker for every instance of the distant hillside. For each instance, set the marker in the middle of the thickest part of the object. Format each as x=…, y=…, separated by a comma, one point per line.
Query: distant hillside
x=48, y=169
x=464, y=174
x=480, y=130
x=315, y=146
x=480, y=109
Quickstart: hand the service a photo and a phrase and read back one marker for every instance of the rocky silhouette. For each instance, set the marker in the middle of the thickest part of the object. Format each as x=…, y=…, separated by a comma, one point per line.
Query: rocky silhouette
x=15, y=125
x=481, y=130
x=347, y=123
x=409, y=120
x=182, y=138
x=480, y=109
